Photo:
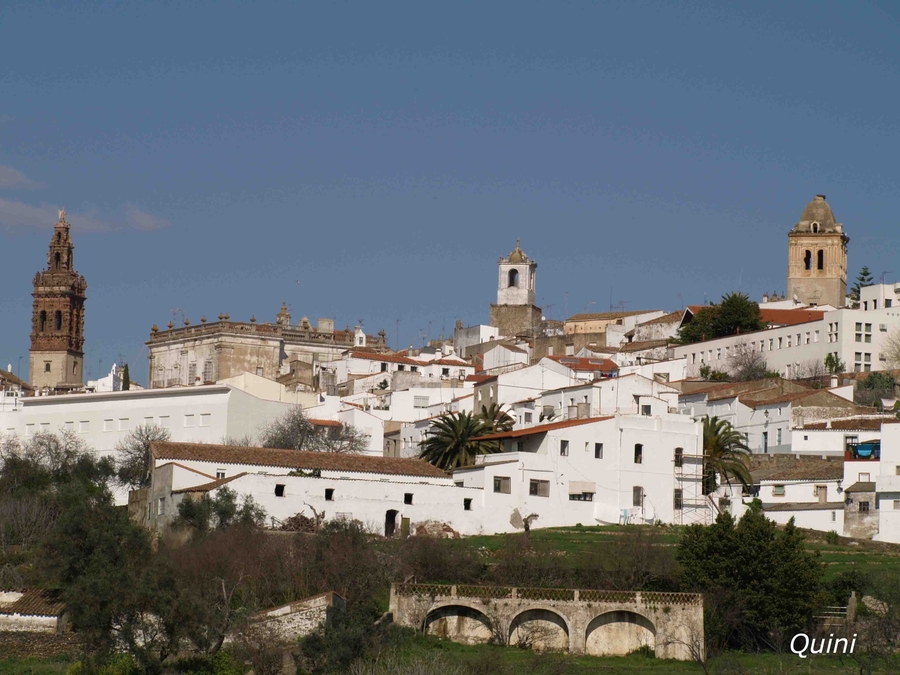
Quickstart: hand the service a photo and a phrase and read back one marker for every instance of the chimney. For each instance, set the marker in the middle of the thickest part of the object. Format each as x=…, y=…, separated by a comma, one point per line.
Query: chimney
x=765, y=298
x=834, y=381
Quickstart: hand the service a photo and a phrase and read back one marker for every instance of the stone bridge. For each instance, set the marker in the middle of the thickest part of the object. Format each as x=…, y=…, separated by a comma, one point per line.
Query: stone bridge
x=599, y=623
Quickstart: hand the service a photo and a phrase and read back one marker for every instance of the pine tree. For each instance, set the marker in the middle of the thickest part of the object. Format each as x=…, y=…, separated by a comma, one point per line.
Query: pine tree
x=864, y=279
x=126, y=378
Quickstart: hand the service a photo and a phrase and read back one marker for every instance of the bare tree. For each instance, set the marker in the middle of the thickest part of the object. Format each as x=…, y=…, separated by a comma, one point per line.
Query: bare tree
x=746, y=364
x=294, y=430
x=891, y=349
x=133, y=454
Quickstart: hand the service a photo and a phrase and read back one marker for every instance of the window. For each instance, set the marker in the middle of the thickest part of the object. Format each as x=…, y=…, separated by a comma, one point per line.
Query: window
x=679, y=457
x=164, y=422
x=123, y=424
x=205, y=419
x=864, y=507
x=678, y=499
x=539, y=488
x=407, y=498
x=820, y=263
x=564, y=448
x=208, y=371
x=778, y=436
x=329, y=494
x=502, y=484
x=420, y=401
x=645, y=410
x=220, y=474
x=582, y=497
x=401, y=367
x=161, y=506
x=638, y=453
x=765, y=442
x=192, y=373
x=467, y=504
x=84, y=426
x=850, y=442
x=778, y=490
x=459, y=483
x=598, y=450
x=46, y=366
x=637, y=496
x=414, y=369
x=833, y=516
x=58, y=320
x=512, y=279
x=43, y=321
x=384, y=367
x=69, y=426
x=864, y=477
x=528, y=418
x=279, y=490
x=189, y=421
x=896, y=504
x=807, y=260
x=108, y=425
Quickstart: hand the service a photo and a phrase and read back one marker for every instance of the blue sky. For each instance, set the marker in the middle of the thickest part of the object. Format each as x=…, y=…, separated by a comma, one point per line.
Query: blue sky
x=373, y=160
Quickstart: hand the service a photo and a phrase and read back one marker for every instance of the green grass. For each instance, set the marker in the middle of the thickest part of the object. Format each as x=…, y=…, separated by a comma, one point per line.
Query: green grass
x=35, y=666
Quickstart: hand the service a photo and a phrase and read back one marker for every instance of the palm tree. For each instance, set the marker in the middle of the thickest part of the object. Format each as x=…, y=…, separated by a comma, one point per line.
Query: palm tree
x=453, y=441
x=496, y=418
x=725, y=452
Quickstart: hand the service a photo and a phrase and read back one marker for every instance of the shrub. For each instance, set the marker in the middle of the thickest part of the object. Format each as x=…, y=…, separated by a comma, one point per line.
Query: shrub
x=832, y=538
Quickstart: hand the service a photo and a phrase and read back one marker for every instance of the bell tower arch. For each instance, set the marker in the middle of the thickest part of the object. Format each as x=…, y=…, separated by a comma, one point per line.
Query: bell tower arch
x=515, y=312
x=817, y=257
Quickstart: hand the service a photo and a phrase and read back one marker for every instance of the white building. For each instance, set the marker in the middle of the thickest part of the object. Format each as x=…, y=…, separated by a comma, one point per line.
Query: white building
x=388, y=495
x=856, y=336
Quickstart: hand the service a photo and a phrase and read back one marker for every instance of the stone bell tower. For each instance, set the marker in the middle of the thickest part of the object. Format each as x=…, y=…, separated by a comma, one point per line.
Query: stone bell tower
x=56, y=356
x=817, y=257
x=515, y=312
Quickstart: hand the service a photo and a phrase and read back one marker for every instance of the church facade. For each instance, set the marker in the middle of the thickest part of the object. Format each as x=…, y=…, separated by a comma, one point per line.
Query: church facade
x=56, y=356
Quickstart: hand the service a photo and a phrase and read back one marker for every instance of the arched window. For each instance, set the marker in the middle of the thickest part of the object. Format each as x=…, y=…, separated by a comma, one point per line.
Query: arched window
x=513, y=279
x=807, y=260
x=821, y=260
x=58, y=320
x=56, y=257
x=815, y=228
x=43, y=321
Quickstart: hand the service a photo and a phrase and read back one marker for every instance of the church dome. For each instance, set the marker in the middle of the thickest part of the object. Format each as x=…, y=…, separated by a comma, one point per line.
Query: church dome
x=518, y=255
x=818, y=218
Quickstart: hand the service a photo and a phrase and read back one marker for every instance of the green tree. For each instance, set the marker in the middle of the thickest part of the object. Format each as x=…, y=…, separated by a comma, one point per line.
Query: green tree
x=126, y=378
x=725, y=453
x=455, y=439
x=864, y=279
x=736, y=314
x=496, y=418
x=834, y=365
x=764, y=573
x=220, y=511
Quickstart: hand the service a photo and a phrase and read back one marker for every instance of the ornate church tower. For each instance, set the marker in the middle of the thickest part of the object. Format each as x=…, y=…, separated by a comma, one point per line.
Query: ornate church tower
x=817, y=257
x=57, y=322
x=515, y=312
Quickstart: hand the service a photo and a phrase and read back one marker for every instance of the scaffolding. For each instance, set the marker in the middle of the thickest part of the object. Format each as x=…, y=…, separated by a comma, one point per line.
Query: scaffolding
x=695, y=507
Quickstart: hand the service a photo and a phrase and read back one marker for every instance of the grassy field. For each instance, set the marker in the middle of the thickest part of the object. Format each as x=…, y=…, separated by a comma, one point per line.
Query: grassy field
x=865, y=556
x=34, y=666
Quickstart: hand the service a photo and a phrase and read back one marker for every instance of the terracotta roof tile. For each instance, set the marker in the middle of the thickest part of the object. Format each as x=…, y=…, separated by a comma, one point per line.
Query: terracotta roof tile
x=789, y=317
x=831, y=400
x=325, y=423
x=853, y=424
x=788, y=467
x=34, y=602
x=544, y=428
x=602, y=316
x=580, y=363
x=293, y=459
x=478, y=379
x=671, y=317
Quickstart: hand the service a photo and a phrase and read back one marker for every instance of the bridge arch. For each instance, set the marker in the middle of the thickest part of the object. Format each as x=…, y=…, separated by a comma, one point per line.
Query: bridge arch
x=540, y=628
x=458, y=622
x=618, y=633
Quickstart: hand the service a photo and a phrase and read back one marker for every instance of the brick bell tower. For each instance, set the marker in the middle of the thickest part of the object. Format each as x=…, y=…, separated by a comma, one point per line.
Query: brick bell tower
x=56, y=356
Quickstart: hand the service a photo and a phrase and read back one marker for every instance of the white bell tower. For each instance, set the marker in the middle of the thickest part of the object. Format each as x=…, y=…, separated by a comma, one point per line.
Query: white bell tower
x=515, y=285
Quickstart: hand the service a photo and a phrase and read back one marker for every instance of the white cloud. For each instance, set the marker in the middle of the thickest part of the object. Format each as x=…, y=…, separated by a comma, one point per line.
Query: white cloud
x=138, y=219
x=11, y=179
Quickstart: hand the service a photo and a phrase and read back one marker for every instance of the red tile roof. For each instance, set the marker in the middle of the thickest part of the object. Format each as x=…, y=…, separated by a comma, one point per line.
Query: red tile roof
x=478, y=379
x=580, y=363
x=543, y=428
x=671, y=317
x=293, y=459
x=826, y=398
x=789, y=317
x=853, y=424
x=34, y=602
x=325, y=423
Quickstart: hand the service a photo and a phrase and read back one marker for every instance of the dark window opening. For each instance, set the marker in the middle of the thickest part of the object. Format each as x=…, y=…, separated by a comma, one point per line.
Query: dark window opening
x=564, y=448
x=329, y=494
x=383, y=367
x=46, y=367
x=864, y=507
x=678, y=501
x=807, y=260
x=407, y=498
x=279, y=490
x=539, y=488
x=502, y=484
x=821, y=259
x=43, y=321
x=582, y=497
x=679, y=456
x=467, y=504
x=638, y=453
x=513, y=279
x=58, y=318
x=57, y=258
x=598, y=450
x=637, y=496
